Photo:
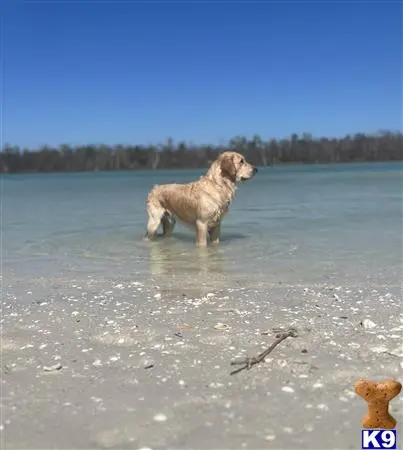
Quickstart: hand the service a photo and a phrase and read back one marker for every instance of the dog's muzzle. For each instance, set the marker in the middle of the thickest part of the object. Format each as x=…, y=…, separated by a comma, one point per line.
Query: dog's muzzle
x=254, y=170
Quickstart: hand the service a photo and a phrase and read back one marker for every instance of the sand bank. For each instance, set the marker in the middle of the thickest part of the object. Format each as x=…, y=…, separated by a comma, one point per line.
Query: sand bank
x=128, y=365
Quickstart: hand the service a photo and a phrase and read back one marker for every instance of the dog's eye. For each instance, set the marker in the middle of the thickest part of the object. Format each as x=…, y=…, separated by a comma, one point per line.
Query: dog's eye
x=242, y=161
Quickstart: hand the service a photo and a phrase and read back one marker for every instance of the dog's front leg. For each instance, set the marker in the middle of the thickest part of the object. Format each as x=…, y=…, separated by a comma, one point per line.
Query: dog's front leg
x=201, y=234
x=214, y=233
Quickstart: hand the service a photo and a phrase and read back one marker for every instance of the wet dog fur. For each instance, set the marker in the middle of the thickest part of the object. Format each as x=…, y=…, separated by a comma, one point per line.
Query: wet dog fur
x=201, y=204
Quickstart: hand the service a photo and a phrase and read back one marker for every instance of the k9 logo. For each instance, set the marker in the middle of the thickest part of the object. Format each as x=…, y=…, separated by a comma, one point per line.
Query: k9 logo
x=372, y=439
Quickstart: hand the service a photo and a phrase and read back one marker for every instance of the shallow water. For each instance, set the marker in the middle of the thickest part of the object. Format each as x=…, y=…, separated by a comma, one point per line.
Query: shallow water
x=290, y=224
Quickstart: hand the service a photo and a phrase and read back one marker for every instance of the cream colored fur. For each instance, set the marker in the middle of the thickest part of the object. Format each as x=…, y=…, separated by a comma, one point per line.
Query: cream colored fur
x=201, y=204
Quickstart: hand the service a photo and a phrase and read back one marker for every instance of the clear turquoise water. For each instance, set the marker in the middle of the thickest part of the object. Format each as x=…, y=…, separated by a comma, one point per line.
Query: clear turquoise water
x=290, y=224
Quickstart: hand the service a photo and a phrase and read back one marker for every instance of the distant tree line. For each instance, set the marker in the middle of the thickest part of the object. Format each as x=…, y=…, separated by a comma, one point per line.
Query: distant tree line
x=382, y=146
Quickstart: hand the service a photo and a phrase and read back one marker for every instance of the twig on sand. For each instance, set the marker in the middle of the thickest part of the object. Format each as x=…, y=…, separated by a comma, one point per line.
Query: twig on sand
x=234, y=310
x=247, y=363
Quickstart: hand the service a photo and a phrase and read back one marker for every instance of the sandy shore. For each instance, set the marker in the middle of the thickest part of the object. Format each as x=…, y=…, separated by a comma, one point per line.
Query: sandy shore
x=126, y=365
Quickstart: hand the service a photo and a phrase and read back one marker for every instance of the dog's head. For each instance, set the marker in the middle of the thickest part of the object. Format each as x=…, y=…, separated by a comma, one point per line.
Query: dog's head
x=233, y=166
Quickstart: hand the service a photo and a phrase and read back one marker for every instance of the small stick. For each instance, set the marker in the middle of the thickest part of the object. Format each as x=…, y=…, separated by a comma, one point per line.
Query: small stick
x=234, y=310
x=247, y=363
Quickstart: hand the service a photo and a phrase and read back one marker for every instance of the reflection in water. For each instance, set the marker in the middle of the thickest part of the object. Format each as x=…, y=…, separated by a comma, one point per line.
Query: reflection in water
x=294, y=235
x=168, y=257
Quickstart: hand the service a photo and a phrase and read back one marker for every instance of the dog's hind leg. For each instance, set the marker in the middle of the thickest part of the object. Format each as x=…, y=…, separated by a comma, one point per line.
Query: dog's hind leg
x=155, y=213
x=215, y=234
x=168, y=224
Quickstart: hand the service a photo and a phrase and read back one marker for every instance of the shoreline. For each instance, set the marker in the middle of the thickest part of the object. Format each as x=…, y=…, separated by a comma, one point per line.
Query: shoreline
x=204, y=168
x=147, y=367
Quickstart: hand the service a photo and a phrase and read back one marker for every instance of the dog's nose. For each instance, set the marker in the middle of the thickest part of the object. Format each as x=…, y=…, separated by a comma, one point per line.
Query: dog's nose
x=254, y=170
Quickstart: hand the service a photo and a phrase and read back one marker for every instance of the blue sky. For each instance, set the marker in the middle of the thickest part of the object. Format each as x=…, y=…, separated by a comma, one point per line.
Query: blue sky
x=139, y=72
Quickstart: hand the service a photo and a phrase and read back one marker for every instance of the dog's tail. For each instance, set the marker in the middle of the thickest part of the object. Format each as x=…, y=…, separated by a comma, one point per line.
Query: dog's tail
x=151, y=197
x=155, y=212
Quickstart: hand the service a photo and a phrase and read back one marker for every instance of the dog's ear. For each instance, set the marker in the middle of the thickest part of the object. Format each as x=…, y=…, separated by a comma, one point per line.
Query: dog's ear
x=228, y=168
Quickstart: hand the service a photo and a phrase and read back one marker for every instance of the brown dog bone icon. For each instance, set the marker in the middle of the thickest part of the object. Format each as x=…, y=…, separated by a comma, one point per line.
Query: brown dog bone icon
x=378, y=396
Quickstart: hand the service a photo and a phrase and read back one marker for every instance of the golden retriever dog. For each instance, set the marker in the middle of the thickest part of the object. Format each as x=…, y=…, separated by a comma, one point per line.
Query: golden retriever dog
x=201, y=204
